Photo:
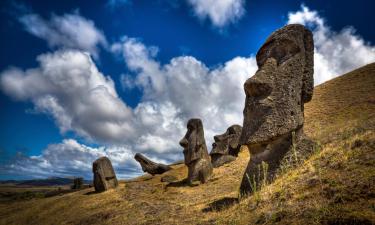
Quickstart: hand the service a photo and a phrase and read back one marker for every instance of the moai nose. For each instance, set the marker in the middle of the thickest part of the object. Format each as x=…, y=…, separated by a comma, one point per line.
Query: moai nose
x=184, y=142
x=256, y=88
x=216, y=138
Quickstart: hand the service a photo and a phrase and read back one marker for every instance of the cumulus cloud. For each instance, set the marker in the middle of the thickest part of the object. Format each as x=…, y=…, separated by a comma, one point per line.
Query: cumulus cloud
x=68, y=31
x=68, y=86
x=221, y=13
x=70, y=158
x=336, y=53
x=185, y=88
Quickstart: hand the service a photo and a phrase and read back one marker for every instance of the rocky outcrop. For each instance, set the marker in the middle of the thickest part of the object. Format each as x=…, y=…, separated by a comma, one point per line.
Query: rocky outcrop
x=150, y=166
x=195, y=152
x=104, y=175
x=274, y=106
x=226, y=146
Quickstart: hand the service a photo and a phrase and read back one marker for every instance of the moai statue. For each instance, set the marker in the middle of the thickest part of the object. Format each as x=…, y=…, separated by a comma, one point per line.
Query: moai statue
x=77, y=183
x=195, y=152
x=104, y=175
x=274, y=106
x=226, y=146
x=150, y=166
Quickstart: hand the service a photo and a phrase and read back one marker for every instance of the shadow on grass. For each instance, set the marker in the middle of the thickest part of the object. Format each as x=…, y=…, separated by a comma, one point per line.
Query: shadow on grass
x=220, y=204
x=93, y=192
x=181, y=183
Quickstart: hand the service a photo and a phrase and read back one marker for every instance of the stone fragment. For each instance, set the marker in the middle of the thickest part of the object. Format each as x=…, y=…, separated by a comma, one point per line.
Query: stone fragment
x=150, y=166
x=104, y=175
x=77, y=183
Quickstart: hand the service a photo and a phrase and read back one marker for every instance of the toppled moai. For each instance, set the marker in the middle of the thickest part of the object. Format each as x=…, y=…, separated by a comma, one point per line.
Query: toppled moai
x=104, y=175
x=195, y=153
x=150, y=166
x=226, y=146
x=77, y=183
x=274, y=106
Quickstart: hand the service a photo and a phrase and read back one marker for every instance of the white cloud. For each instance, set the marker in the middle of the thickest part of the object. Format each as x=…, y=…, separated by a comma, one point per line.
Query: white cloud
x=68, y=86
x=220, y=12
x=182, y=89
x=70, y=158
x=68, y=31
x=336, y=53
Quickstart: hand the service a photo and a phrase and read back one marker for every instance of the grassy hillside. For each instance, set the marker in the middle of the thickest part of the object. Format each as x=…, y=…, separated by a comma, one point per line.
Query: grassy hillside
x=334, y=186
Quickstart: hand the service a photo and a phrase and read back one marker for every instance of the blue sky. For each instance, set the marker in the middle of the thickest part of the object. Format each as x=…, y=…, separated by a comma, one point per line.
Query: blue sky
x=82, y=79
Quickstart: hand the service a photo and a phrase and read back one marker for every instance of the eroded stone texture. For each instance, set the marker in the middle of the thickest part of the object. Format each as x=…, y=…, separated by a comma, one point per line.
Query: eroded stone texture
x=275, y=95
x=150, y=166
x=195, y=152
x=226, y=146
x=104, y=175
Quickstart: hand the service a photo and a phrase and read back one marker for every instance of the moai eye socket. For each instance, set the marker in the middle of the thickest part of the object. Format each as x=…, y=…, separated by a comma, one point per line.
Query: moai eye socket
x=281, y=50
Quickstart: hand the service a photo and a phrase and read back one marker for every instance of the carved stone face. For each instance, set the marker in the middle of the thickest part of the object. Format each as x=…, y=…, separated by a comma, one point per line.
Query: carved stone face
x=104, y=175
x=193, y=142
x=228, y=142
x=283, y=83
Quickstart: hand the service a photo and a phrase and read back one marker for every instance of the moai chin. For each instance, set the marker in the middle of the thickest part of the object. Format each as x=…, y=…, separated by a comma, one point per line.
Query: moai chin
x=195, y=152
x=274, y=106
x=104, y=175
x=226, y=146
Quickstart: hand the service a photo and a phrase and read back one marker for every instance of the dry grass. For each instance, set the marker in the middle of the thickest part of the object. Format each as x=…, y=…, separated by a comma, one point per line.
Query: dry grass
x=334, y=186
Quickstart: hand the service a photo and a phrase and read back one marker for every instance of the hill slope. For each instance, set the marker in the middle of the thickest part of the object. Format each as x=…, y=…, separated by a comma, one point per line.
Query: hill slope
x=334, y=186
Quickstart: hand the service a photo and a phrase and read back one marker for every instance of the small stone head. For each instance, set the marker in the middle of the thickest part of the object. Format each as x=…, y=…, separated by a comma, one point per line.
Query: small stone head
x=104, y=175
x=193, y=142
x=283, y=83
x=228, y=142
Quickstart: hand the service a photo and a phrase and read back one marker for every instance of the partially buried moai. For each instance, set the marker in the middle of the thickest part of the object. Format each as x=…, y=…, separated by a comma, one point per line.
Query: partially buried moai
x=226, y=146
x=195, y=152
x=274, y=106
x=104, y=175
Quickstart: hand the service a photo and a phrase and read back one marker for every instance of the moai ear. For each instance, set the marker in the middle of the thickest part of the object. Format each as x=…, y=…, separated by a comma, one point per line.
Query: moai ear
x=200, y=134
x=308, y=73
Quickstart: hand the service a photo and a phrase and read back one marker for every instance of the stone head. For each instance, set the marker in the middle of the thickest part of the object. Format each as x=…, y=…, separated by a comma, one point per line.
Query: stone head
x=282, y=84
x=228, y=142
x=104, y=174
x=193, y=142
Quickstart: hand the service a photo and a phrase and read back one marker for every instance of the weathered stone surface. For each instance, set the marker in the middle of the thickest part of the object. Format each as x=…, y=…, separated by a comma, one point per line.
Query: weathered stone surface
x=275, y=97
x=104, y=175
x=150, y=166
x=226, y=146
x=195, y=152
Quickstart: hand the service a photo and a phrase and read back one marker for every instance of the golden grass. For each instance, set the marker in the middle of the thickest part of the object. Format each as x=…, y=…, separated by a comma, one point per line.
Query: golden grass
x=334, y=186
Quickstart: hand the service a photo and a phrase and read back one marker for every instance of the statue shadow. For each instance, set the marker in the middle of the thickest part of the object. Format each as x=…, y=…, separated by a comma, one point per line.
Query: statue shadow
x=93, y=192
x=181, y=183
x=221, y=204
